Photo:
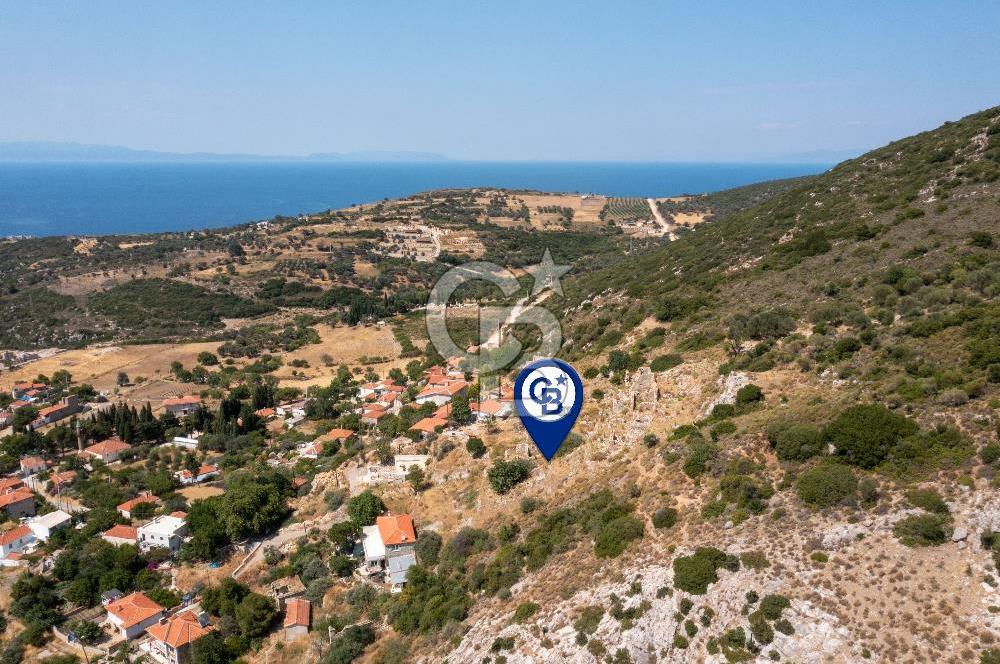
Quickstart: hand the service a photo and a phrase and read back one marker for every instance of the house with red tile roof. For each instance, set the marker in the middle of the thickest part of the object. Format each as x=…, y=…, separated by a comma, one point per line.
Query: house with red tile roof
x=298, y=613
x=204, y=472
x=60, y=480
x=441, y=393
x=389, y=548
x=18, y=503
x=119, y=535
x=15, y=540
x=371, y=415
x=133, y=614
x=107, y=450
x=182, y=405
x=429, y=425
x=170, y=639
x=125, y=509
x=8, y=484
x=67, y=406
x=32, y=464
x=489, y=409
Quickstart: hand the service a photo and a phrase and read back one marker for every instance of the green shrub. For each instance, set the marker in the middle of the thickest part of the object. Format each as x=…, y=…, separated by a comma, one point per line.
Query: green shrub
x=615, y=535
x=680, y=641
x=665, y=517
x=784, y=627
x=693, y=574
x=826, y=485
x=923, y=530
x=699, y=453
x=990, y=453
x=772, y=606
x=865, y=435
x=796, y=442
x=749, y=394
x=505, y=475
x=761, y=631
x=476, y=447
x=665, y=362
x=524, y=611
x=755, y=560
x=588, y=619
x=722, y=429
x=928, y=500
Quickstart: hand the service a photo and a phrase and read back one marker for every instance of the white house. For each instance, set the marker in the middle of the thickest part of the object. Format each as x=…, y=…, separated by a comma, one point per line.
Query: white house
x=204, y=472
x=16, y=541
x=185, y=442
x=32, y=464
x=43, y=526
x=388, y=548
x=107, y=450
x=440, y=394
x=133, y=614
x=165, y=531
x=489, y=409
x=170, y=638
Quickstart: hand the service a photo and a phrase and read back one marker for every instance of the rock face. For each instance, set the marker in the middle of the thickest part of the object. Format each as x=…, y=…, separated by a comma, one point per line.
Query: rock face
x=729, y=386
x=551, y=637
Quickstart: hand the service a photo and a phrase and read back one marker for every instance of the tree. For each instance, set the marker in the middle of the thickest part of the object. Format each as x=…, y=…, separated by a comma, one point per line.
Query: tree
x=460, y=410
x=427, y=548
x=254, y=615
x=364, y=507
x=122, y=379
x=87, y=631
x=207, y=359
x=210, y=649
x=866, y=434
x=417, y=478
x=505, y=475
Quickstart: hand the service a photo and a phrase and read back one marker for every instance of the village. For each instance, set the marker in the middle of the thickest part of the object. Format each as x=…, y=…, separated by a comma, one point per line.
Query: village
x=42, y=502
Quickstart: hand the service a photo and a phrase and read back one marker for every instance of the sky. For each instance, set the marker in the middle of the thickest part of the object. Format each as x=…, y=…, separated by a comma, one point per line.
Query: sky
x=512, y=80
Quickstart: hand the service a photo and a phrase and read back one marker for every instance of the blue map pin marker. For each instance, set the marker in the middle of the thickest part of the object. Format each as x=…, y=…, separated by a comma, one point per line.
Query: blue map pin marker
x=548, y=395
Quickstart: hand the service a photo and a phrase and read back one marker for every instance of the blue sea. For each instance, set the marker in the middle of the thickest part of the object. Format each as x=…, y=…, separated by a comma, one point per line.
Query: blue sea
x=124, y=198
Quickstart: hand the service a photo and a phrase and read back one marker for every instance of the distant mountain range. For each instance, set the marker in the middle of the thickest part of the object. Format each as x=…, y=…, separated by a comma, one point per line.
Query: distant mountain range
x=47, y=151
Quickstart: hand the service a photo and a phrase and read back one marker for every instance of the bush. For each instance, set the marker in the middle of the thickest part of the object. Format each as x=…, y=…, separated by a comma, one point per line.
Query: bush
x=665, y=517
x=749, y=394
x=589, y=619
x=349, y=644
x=796, y=442
x=865, y=435
x=524, y=611
x=700, y=452
x=784, y=627
x=680, y=641
x=475, y=447
x=693, y=574
x=826, y=485
x=928, y=500
x=990, y=453
x=505, y=475
x=665, y=362
x=755, y=560
x=761, y=631
x=772, y=606
x=615, y=535
x=923, y=530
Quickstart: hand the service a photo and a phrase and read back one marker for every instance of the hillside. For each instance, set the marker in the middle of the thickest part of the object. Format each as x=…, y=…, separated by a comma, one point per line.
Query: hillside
x=788, y=449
